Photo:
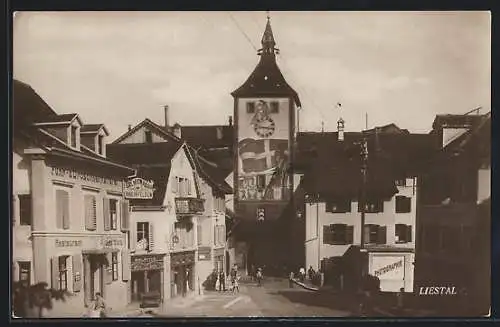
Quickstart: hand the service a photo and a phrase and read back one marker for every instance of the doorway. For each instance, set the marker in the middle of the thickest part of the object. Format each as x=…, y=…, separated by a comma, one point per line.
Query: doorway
x=228, y=266
x=93, y=276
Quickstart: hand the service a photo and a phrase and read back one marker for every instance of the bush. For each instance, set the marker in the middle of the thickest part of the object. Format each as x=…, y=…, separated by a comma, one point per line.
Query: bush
x=29, y=300
x=210, y=282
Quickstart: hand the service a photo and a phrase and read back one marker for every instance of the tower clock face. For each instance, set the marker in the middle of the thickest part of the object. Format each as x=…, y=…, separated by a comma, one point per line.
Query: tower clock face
x=264, y=127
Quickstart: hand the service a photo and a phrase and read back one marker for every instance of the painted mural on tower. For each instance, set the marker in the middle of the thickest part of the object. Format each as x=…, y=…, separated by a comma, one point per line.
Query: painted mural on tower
x=263, y=149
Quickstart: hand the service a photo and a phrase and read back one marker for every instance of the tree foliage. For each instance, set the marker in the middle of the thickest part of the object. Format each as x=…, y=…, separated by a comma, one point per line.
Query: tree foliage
x=29, y=301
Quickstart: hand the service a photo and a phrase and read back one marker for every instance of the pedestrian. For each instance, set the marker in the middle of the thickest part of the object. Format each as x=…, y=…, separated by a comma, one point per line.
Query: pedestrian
x=217, y=281
x=310, y=272
x=302, y=273
x=400, y=298
x=222, y=278
x=259, y=276
x=290, y=279
x=235, y=284
x=98, y=307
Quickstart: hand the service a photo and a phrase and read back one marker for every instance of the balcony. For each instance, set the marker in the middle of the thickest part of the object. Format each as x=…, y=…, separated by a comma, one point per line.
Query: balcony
x=189, y=206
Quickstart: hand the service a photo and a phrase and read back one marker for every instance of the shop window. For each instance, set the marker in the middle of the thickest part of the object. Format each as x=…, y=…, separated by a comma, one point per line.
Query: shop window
x=337, y=234
x=403, y=204
x=114, y=265
x=62, y=209
x=142, y=236
x=148, y=136
x=338, y=206
x=25, y=209
x=250, y=107
x=113, y=213
x=373, y=206
x=275, y=107
x=375, y=234
x=63, y=273
x=403, y=233
x=24, y=271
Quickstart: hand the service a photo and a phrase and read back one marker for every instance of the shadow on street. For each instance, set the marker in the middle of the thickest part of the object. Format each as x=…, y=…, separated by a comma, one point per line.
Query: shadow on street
x=318, y=299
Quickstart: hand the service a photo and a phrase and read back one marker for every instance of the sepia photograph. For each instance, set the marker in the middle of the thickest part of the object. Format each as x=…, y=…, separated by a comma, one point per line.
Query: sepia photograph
x=181, y=164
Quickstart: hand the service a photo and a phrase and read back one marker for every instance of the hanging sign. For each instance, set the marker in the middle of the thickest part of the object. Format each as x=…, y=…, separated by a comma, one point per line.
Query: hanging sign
x=138, y=188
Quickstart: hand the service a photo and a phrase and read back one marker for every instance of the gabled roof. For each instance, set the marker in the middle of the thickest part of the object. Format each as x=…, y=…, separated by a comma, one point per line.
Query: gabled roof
x=267, y=80
x=93, y=129
x=213, y=175
x=208, y=136
x=455, y=121
x=64, y=119
x=143, y=153
x=150, y=124
x=28, y=107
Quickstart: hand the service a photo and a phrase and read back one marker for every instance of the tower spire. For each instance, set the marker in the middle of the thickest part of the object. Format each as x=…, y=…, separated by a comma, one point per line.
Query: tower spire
x=268, y=43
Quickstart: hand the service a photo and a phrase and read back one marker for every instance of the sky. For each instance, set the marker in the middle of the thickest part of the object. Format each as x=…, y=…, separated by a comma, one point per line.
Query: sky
x=119, y=68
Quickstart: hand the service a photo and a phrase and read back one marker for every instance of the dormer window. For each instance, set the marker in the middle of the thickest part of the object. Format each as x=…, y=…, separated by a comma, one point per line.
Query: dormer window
x=74, y=134
x=100, y=144
x=148, y=136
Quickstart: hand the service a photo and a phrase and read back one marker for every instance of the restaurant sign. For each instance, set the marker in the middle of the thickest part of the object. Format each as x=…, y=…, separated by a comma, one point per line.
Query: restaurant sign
x=146, y=262
x=138, y=188
x=110, y=243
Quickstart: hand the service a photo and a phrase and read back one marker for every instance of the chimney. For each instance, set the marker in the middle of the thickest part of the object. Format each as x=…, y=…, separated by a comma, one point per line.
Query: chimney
x=165, y=108
x=129, y=127
x=340, y=129
x=230, y=120
x=176, y=129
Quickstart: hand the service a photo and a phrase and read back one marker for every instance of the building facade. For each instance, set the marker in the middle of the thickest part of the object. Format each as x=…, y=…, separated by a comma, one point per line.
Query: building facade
x=454, y=219
x=175, y=224
x=331, y=165
x=71, y=220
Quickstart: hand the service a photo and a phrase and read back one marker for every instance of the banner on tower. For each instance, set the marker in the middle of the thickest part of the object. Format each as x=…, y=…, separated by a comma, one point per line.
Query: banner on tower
x=263, y=149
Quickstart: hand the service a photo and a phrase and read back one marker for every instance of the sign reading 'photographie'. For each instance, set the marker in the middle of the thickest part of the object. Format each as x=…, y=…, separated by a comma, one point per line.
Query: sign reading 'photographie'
x=138, y=188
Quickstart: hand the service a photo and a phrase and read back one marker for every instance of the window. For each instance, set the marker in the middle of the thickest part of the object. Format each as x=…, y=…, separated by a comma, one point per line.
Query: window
x=113, y=204
x=90, y=205
x=114, y=265
x=100, y=144
x=148, y=136
x=25, y=209
x=62, y=209
x=63, y=273
x=403, y=233
x=403, y=204
x=375, y=234
x=275, y=106
x=338, y=206
x=24, y=271
x=401, y=182
x=200, y=235
x=74, y=132
x=372, y=206
x=142, y=236
x=337, y=234
x=250, y=107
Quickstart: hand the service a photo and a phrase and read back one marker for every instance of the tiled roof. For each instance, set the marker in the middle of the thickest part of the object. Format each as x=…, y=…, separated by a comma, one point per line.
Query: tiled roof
x=159, y=175
x=28, y=106
x=455, y=120
x=208, y=136
x=210, y=173
x=143, y=153
x=267, y=81
x=333, y=167
x=91, y=128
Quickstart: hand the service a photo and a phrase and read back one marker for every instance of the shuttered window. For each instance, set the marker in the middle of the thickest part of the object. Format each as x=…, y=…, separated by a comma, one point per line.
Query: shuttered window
x=375, y=234
x=125, y=265
x=113, y=212
x=143, y=236
x=151, y=239
x=199, y=231
x=77, y=272
x=403, y=233
x=106, y=214
x=25, y=209
x=108, y=277
x=403, y=204
x=62, y=209
x=338, y=234
x=90, y=207
x=59, y=273
x=125, y=215
x=24, y=271
x=114, y=265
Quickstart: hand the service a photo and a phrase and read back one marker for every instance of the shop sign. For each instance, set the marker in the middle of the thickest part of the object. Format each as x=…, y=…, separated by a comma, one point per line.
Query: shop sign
x=68, y=243
x=146, y=262
x=183, y=258
x=138, y=188
x=388, y=267
x=204, y=253
x=109, y=243
x=78, y=175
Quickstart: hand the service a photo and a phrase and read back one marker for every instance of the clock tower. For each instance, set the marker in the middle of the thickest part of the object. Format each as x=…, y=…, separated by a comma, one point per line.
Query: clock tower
x=264, y=112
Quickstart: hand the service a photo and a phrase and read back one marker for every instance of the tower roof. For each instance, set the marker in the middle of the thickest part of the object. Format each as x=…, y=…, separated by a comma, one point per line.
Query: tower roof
x=266, y=80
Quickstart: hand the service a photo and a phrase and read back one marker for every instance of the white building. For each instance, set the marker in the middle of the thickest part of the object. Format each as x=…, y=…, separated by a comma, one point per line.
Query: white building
x=176, y=225
x=70, y=219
